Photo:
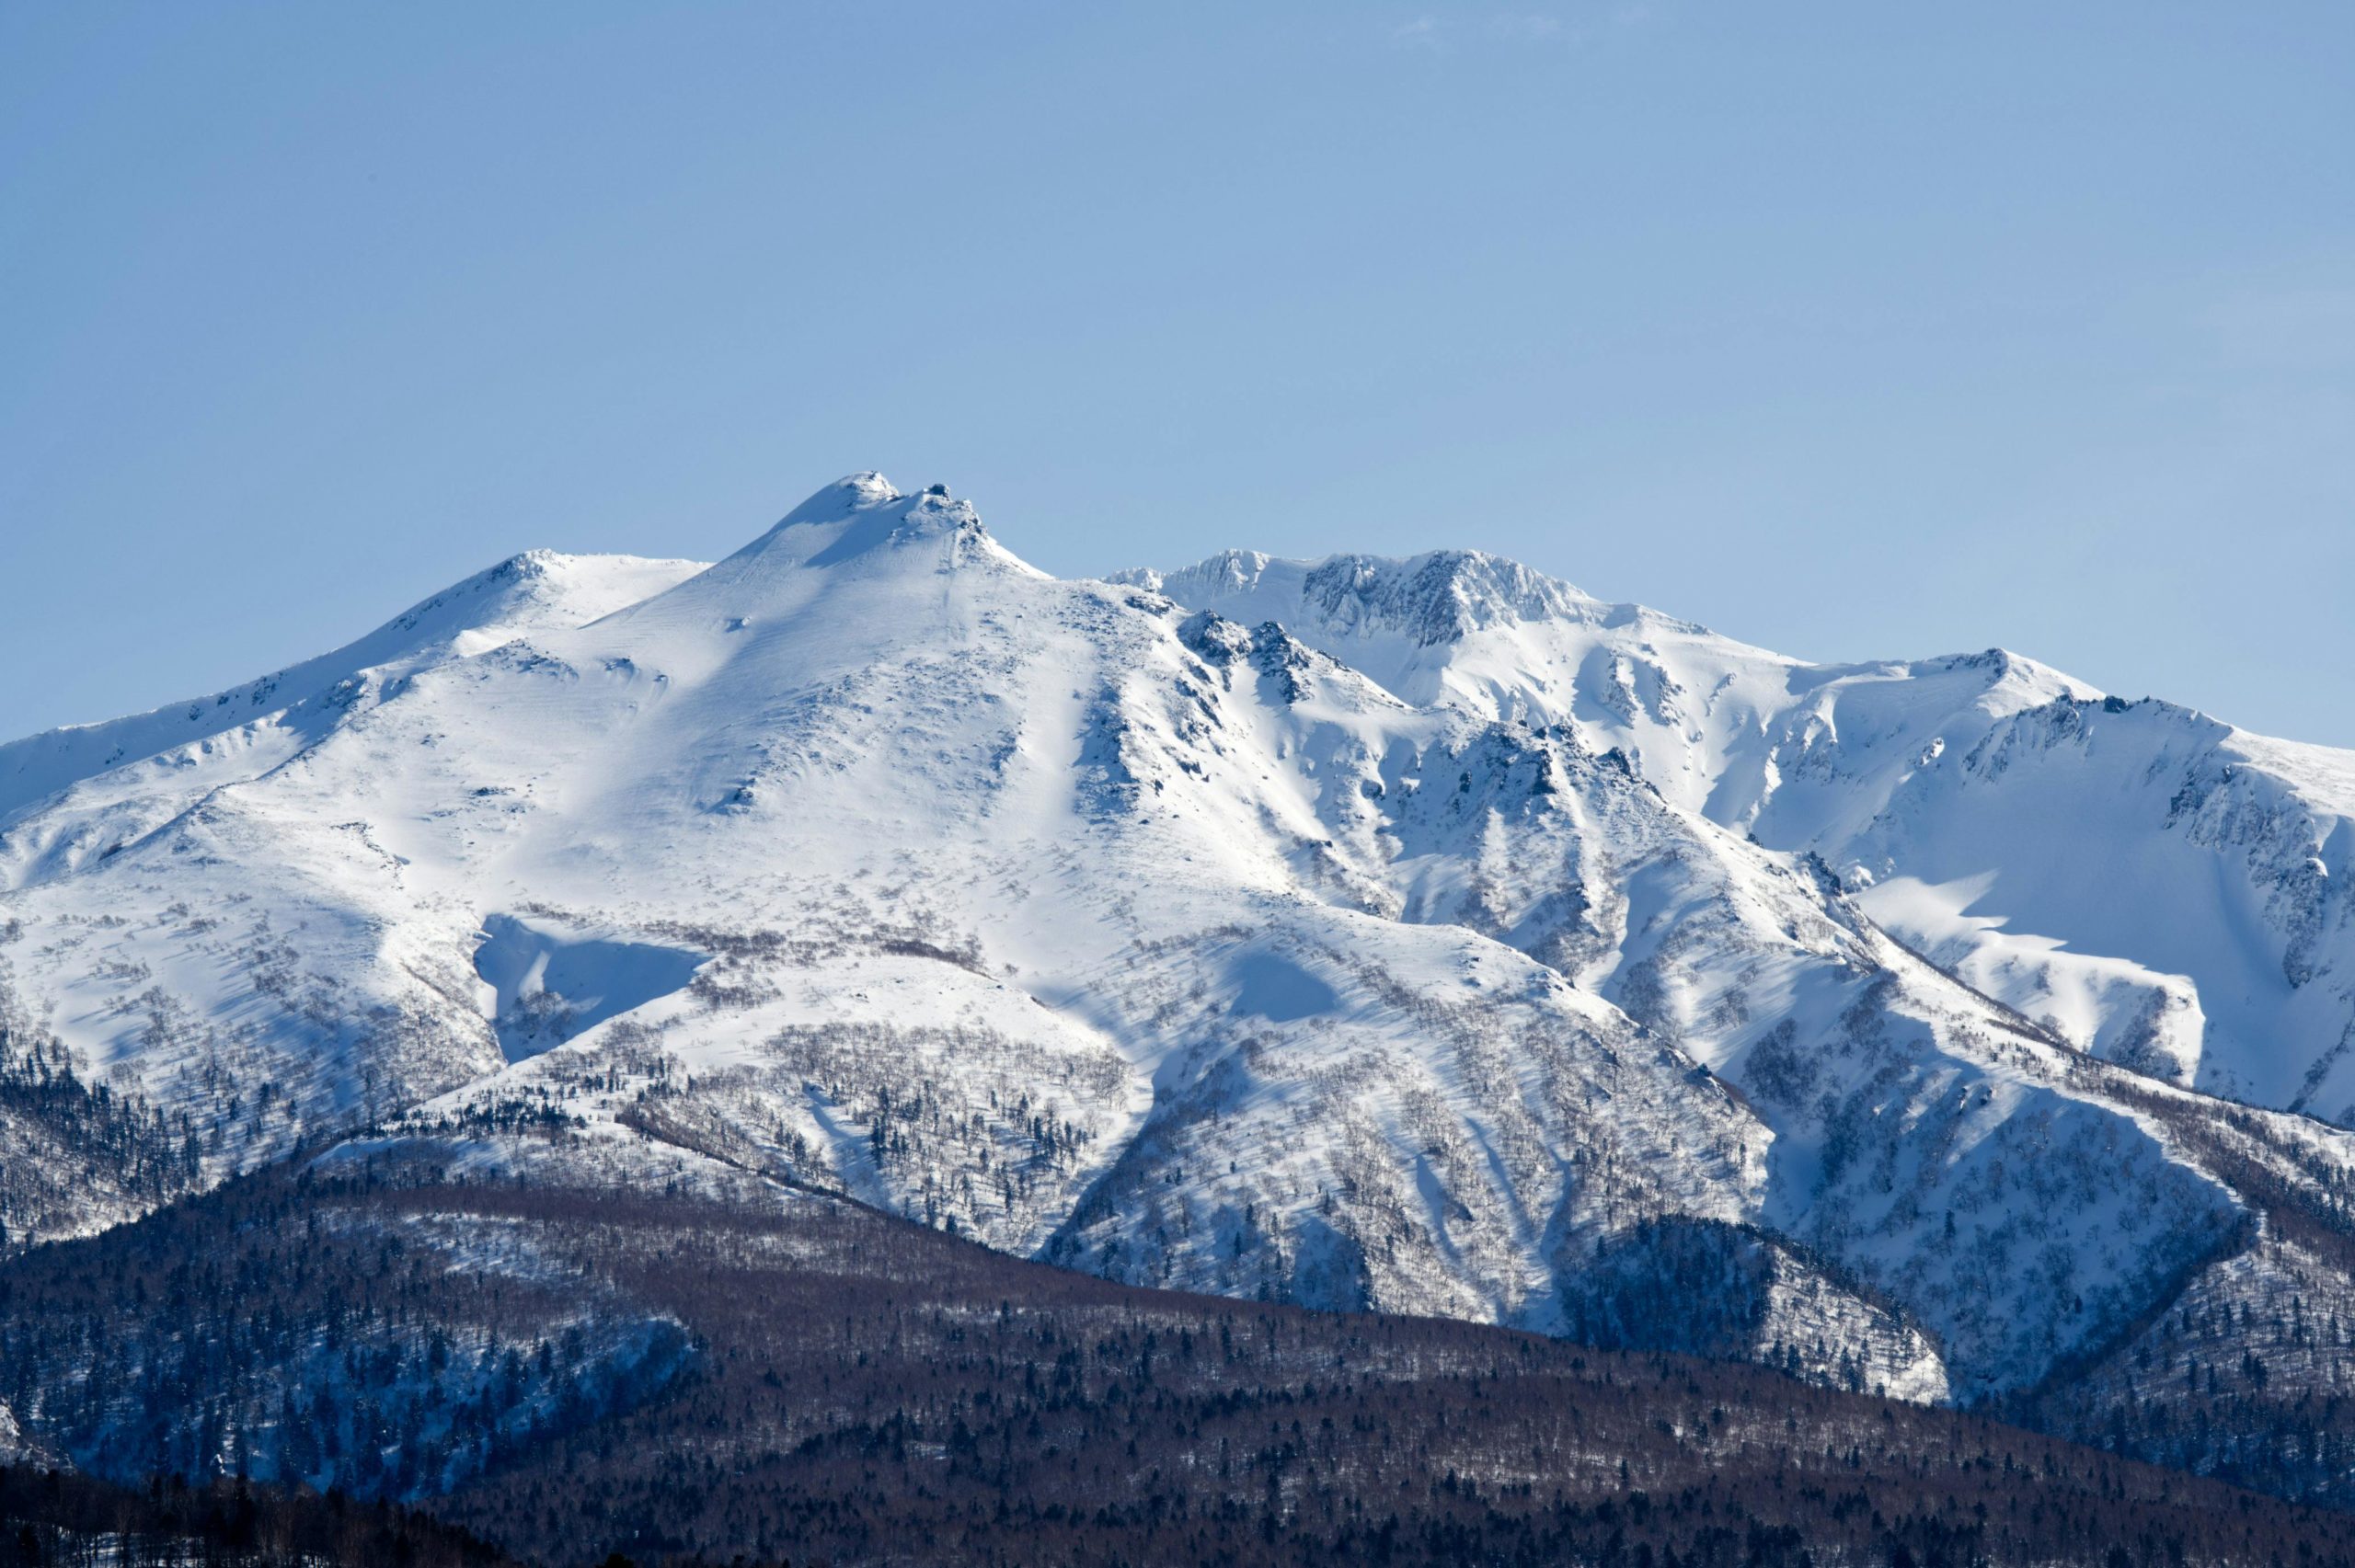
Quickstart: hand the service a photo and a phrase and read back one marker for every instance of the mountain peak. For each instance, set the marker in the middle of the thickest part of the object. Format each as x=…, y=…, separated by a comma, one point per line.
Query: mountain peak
x=1229, y=572
x=851, y=493
x=1437, y=597
x=864, y=517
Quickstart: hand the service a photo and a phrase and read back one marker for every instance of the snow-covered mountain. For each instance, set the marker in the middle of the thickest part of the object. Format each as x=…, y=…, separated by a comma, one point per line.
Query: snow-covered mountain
x=1419, y=934
x=2147, y=883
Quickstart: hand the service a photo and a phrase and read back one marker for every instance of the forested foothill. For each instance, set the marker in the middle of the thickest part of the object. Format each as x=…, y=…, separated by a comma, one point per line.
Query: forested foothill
x=716, y=1375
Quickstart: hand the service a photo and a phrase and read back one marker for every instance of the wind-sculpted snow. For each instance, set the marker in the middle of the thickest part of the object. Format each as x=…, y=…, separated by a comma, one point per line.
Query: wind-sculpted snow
x=1399, y=935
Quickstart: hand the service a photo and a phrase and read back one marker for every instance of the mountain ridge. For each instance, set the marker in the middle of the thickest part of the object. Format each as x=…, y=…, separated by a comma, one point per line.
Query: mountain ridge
x=1189, y=945
x=1835, y=760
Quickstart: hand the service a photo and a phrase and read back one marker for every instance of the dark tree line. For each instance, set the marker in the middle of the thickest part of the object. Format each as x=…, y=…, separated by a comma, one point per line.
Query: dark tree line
x=54, y=1519
x=856, y=1389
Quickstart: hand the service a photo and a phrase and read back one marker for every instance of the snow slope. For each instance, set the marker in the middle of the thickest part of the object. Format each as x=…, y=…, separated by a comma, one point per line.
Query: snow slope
x=237, y=734
x=1404, y=949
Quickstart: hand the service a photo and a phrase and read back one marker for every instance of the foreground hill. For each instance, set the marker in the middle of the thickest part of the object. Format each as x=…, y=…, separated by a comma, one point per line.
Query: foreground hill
x=724, y=1372
x=49, y=1515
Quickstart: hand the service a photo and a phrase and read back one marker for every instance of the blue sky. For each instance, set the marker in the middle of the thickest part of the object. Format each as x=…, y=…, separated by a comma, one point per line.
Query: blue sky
x=1857, y=330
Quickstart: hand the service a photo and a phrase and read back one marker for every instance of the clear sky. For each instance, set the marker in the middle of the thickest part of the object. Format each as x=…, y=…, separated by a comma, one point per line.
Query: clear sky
x=1857, y=330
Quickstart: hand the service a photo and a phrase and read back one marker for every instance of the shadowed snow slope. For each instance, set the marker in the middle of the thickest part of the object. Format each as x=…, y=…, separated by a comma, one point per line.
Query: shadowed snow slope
x=1415, y=934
